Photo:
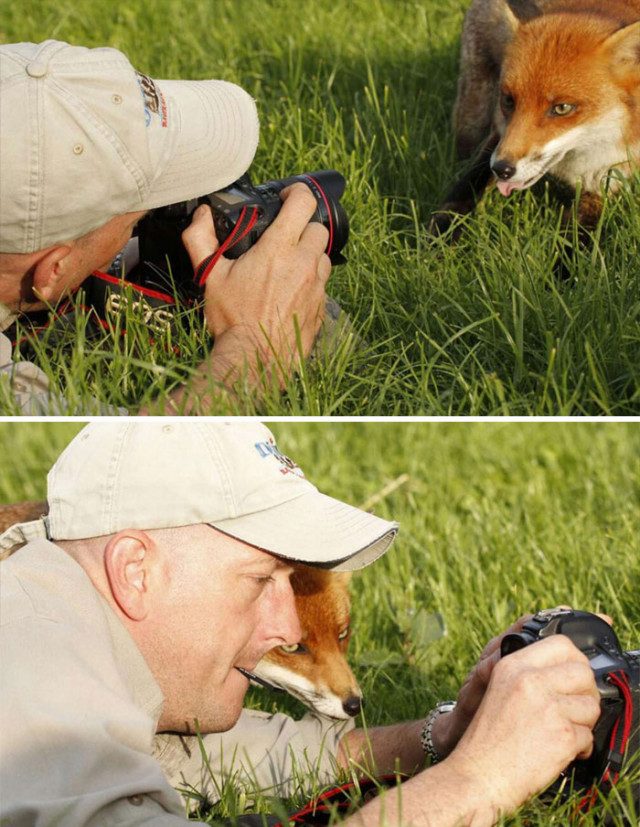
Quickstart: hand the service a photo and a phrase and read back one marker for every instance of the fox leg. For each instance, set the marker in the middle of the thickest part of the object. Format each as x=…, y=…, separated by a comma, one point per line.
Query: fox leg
x=467, y=191
x=588, y=214
x=589, y=210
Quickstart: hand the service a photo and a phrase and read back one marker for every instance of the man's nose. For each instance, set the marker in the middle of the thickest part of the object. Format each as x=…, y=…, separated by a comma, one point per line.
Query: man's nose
x=285, y=622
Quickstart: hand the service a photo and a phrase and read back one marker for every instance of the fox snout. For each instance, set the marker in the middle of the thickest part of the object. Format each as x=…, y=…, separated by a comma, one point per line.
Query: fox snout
x=503, y=169
x=352, y=705
x=324, y=682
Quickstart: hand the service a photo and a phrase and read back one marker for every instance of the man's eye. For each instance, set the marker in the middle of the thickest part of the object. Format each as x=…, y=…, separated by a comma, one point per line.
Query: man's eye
x=262, y=581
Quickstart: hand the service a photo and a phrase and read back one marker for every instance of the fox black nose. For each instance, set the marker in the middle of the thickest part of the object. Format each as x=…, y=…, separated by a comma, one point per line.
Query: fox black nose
x=352, y=705
x=503, y=169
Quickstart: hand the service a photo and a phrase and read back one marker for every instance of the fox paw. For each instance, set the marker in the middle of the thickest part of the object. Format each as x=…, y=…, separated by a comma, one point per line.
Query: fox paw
x=446, y=221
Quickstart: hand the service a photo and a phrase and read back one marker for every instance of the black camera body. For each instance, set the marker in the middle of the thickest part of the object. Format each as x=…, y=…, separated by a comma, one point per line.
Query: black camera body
x=241, y=214
x=597, y=640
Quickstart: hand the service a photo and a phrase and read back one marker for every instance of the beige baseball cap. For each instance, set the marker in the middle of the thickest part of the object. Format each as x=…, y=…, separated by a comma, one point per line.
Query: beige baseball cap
x=150, y=474
x=85, y=137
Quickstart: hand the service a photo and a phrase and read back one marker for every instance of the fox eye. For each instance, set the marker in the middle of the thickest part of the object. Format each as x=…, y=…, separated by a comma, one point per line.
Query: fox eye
x=507, y=102
x=344, y=634
x=294, y=649
x=562, y=108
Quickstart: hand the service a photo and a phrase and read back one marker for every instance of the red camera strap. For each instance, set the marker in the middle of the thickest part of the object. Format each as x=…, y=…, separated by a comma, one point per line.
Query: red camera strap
x=244, y=225
x=339, y=799
x=617, y=744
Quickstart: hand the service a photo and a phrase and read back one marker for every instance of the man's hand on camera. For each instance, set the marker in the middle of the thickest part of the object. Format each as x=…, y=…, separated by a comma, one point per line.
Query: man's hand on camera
x=448, y=729
x=535, y=718
x=267, y=305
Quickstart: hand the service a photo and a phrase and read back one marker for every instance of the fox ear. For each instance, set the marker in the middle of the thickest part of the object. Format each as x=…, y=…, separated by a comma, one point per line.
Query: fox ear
x=515, y=12
x=624, y=47
x=343, y=577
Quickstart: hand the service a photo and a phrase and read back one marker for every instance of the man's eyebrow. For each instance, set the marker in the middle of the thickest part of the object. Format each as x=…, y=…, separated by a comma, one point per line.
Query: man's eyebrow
x=270, y=563
x=261, y=562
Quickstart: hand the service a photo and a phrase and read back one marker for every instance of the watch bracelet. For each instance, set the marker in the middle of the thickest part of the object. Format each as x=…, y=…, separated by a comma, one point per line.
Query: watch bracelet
x=426, y=737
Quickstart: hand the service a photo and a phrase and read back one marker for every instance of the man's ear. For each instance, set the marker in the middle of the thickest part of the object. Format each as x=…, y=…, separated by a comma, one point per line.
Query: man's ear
x=48, y=273
x=624, y=48
x=131, y=562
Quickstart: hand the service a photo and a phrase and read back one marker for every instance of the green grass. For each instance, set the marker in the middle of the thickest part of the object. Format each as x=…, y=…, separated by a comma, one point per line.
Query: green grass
x=496, y=519
x=366, y=87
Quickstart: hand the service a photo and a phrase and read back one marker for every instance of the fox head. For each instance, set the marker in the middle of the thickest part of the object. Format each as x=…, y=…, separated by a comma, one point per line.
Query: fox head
x=568, y=99
x=315, y=670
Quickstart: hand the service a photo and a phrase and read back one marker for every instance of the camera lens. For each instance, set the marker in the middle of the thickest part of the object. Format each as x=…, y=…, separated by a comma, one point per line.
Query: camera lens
x=327, y=186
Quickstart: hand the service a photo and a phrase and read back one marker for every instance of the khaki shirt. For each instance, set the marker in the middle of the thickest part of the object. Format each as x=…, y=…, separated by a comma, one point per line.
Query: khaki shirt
x=25, y=389
x=79, y=709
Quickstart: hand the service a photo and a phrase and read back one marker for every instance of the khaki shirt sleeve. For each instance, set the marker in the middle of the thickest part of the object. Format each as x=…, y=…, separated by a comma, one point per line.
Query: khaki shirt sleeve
x=63, y=761
x=23, y=383
x=25, y=390
x=270, y=752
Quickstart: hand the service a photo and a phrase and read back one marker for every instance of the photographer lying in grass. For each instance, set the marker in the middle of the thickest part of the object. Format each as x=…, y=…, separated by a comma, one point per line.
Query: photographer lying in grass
x=158, y=581
x=88, y=146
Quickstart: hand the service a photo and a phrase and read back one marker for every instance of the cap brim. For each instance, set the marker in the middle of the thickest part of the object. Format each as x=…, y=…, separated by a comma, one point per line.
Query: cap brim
x=215, y=141
x=317, y=530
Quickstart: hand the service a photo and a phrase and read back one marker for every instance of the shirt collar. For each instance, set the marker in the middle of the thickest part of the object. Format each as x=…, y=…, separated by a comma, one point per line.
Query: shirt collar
x=7, y=317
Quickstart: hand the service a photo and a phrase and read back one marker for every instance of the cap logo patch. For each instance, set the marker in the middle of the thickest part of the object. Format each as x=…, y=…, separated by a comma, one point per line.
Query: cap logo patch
x=153, y=100
x=270, y=449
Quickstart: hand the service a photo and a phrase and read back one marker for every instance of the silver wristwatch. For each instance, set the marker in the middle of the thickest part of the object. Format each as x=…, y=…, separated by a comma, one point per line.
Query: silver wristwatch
x=426, y=738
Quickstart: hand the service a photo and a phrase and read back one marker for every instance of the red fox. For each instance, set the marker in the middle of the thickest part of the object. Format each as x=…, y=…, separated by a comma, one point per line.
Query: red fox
x=547, y=86
x=315, y=670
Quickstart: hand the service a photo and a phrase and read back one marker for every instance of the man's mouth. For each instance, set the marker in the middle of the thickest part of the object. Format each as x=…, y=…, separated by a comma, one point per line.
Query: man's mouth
x=253, y=678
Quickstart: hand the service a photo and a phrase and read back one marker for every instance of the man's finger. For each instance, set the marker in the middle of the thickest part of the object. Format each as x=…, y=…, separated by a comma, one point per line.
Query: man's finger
x=324, y=268
x=580, y=709
x=298, y=205
x=584, y=740
x=574, y=678
x=314, y=238
x=199, y=238
x=549, y=651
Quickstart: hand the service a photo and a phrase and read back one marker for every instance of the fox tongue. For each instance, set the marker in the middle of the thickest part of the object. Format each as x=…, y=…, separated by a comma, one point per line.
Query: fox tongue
x=506, y=187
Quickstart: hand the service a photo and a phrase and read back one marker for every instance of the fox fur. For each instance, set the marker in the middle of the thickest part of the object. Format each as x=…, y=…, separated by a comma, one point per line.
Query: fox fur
x=522, y=62
x=315, y=671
